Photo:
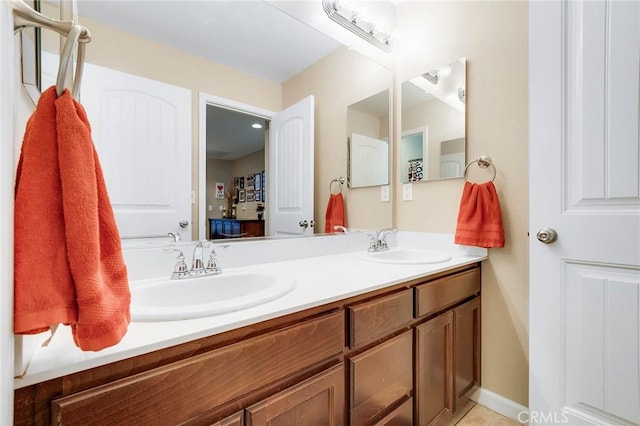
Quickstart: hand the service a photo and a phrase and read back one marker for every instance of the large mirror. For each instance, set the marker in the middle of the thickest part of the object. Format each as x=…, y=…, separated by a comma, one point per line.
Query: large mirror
x=221, y=54
x=432, y=145
x=368, y=137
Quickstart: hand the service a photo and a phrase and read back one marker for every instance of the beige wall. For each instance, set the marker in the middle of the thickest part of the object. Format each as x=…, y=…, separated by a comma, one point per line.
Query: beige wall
x=217, y=171
x=341, y=79
x=494, y=38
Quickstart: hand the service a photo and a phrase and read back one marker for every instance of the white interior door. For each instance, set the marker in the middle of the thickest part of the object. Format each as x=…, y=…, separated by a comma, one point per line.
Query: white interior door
x=584, y=183
x=364, y=152
x=290, y=176
x=142, y=132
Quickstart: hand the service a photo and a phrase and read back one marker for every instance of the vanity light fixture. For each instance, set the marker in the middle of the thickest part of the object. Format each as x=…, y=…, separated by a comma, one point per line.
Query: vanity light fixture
x=350, y=19
x=434, y=76
x=256, y=126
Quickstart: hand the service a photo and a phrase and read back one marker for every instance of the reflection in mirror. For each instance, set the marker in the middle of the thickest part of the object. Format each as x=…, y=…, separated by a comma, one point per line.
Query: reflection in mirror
x=235, y=173
x=433, y=124
x=368, y=135
x=255, y=66
x=30, y=57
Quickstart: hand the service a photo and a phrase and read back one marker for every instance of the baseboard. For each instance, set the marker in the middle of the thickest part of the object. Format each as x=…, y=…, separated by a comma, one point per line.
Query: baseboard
x=500, y=404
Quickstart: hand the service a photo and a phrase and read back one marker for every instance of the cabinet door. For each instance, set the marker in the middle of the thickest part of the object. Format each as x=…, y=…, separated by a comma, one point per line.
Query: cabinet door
x=216, y=228
x=381, y=377
x=466, y=350
x=317, y=401
x=434, y=370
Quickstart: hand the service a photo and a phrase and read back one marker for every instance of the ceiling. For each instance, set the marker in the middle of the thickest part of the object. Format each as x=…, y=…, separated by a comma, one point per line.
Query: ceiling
x=252, y=36
x=230, y=135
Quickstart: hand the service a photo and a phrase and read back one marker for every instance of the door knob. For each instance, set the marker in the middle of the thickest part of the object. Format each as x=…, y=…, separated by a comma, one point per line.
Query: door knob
x=183, y=223
x=303, y=224
x=547, y=235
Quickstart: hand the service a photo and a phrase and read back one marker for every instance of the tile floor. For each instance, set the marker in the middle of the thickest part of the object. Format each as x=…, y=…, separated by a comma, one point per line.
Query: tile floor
x=473, y=414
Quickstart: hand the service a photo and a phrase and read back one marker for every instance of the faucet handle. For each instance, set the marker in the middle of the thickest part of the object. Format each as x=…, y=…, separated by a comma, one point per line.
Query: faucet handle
x=180, y=269
x=373, y=242
x=213, y=265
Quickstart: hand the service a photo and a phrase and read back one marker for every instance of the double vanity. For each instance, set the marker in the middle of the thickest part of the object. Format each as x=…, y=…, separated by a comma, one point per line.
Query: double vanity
x=318, y=331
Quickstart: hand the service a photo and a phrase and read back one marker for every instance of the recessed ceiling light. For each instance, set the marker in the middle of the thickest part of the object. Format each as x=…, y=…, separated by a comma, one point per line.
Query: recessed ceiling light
x=256, y=126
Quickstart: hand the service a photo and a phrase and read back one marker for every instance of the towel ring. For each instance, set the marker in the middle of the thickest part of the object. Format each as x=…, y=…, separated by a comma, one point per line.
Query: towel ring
x=483, y=162
x=340, y=181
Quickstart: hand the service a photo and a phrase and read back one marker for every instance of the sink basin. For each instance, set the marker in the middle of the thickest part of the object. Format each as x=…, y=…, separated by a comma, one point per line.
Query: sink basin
x=405, y=256
x=169, y=300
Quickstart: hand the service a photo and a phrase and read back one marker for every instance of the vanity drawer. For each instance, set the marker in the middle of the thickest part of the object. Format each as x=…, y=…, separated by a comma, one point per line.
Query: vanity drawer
x=380, y=377
x=185, y=389
x=439, y=294
x=376, y=318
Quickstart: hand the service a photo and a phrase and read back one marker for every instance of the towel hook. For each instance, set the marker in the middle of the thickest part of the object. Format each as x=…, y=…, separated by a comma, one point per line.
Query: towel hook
x=25, y=16
x=340, y=181
x=66, y=58
x=483, y=162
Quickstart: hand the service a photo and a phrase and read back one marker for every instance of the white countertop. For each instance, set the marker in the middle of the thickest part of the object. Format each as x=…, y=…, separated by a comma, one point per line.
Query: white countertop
x=318, y=280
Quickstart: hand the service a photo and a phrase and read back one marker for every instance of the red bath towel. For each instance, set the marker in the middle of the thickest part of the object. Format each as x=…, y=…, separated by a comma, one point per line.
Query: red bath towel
x=68, y=259
x=335, y=213
x=480, y=217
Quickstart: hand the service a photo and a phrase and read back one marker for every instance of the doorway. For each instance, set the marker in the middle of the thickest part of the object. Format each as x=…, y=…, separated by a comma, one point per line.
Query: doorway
x=232, y=168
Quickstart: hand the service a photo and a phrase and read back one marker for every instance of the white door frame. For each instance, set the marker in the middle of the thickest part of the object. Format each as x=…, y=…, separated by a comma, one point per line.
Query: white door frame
x=204, y=100
x=7, y=95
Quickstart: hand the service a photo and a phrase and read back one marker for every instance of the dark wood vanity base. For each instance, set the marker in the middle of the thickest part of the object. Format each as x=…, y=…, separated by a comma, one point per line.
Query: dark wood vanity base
x=408, y=354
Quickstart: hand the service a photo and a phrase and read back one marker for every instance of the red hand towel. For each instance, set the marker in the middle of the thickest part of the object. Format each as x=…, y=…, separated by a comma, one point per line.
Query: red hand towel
x=335, y=213
x=68, y=260
x=480, y=217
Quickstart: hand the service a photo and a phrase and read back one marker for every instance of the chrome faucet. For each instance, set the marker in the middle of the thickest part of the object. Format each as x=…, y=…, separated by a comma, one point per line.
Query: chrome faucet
x=197, y=262
x=378, y=241
x=176, y=236
x=198, y=268
x=341, y=228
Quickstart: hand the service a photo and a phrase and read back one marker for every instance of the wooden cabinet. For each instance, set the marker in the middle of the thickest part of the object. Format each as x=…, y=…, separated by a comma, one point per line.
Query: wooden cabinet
x=316, y=401
x=373, y=319
x=183, y=390
x=466, y=344
x=235, y=228
x=445, y=292
x=380, y=377
x=434, y=370
x=408, y=354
